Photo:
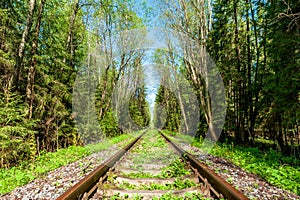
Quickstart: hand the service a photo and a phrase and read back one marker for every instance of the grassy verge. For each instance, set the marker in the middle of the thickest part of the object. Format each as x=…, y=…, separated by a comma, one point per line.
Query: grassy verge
x=26, y=172
x=272, y=166
x=167, y=196
x=275, y=168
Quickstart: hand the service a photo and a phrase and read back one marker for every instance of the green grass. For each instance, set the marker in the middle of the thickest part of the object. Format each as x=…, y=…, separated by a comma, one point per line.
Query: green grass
x=26, y=172
x=167, y=196
x=264, y=141
x=177, y=168
x=272, y=166
x=187, y=196
x=177, y=184
x=153, y=147
x=140, y=175
x=118, y=197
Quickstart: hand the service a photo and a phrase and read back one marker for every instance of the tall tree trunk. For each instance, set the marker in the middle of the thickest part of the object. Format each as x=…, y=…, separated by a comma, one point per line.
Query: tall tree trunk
x=248, y=93
x=70, y=46
x=7, y=81
x=3, y=27
x=107, y=43
x=20, y=56
x=186, y=128
x=197, y=69
x=32, y=68
x=239, y=119
x=254, y=107
x=279, y=135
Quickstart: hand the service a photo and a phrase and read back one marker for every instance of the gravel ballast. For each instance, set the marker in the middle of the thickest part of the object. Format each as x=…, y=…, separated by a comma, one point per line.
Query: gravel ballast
x=251, y=185
x=56, y=182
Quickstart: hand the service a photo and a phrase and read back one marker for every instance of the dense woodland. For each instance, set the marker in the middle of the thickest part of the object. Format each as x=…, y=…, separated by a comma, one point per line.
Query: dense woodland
x=255, y=45
x=44, y=43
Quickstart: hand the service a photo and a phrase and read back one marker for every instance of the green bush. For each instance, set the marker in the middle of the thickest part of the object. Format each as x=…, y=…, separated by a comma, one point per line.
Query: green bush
x=272, y=166
x=277, y=169
x=28, y=171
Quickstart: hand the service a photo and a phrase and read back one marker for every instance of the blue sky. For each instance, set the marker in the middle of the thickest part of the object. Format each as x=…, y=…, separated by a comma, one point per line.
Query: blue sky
x=152, y=80
x=149, y=11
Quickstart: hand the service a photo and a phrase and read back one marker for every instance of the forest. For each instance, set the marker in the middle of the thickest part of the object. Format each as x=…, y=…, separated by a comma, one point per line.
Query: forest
x=45, y=44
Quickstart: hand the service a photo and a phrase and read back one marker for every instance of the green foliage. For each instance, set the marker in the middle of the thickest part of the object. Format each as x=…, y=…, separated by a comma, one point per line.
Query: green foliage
x=61, y=49
x=17, y=139
x=140, y=174
x=139, y=108
x=260, y=71
x=177, y=184
x=281, y=91
x=272, y=166
x=167, y=113
x=166, y=196
x=109, y=126
x=118, y=197
x=275, y=168
x=153, y=147
x=175, y=169
x=187, y=196
x=30, y=170
x=148, y=149
x=255, y=45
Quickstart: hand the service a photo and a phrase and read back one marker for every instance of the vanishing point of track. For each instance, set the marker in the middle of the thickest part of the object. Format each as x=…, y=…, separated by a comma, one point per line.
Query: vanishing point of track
x=100, y=183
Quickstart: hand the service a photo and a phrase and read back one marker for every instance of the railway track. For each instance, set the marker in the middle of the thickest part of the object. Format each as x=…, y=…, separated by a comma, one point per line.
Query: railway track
x=152, y=167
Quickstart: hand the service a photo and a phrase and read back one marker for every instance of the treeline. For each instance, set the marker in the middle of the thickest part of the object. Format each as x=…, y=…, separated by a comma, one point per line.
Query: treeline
x=46, y=44
x=255, y=45
x=43, y=44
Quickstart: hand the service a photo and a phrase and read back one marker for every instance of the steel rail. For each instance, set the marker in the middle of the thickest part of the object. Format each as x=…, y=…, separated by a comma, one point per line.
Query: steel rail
x=219, y=184
x=87, y=183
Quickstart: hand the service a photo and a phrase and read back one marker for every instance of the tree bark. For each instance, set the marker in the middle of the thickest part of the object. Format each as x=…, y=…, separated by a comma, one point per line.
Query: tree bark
x=248, y=84
x=70, y=46
x=32, y=68
x=20, y=56
x=254, y=107
x=239, y=119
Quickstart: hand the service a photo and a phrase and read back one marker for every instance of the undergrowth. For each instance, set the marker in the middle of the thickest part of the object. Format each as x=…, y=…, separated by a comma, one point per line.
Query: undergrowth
x=272, y=166
x=177, y=184
x=187, y=196
x=46, y=162
x=166, y=196
x=176, y=168
x=154, y=149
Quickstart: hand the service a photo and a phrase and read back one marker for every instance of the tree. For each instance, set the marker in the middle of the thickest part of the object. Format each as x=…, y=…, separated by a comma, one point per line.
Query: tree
x=33, y=63
x=282, y=84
